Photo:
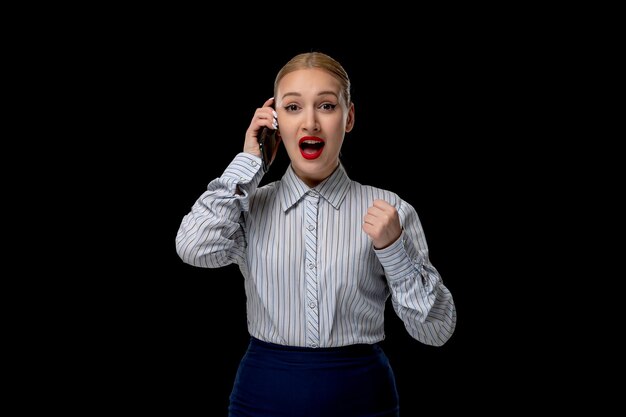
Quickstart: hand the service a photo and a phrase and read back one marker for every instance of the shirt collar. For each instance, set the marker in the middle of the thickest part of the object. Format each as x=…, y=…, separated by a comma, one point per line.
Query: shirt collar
x=333, y=189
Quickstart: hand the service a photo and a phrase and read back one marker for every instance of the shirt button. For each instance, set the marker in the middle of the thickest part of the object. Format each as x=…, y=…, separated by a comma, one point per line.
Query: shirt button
x=253, y=163
x=311, y=266
x=311, y=227
x=313, y=345
x=312, y=304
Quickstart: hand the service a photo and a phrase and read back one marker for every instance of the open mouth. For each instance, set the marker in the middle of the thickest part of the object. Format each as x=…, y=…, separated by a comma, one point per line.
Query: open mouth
x=311, y=146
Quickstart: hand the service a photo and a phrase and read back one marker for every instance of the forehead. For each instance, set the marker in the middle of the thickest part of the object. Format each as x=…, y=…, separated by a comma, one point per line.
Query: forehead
x=308, y=81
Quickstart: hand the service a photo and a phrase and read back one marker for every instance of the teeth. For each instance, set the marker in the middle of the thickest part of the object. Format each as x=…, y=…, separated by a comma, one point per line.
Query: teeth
x=311, y=142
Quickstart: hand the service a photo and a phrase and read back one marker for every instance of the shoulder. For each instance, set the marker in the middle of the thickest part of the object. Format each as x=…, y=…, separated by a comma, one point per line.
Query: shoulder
x=371, y=192
x=266, y=190
x=367, y=194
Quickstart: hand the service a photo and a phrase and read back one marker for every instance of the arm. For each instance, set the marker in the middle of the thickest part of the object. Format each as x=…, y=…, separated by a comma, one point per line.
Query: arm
x=211, y=235
x=418, y=294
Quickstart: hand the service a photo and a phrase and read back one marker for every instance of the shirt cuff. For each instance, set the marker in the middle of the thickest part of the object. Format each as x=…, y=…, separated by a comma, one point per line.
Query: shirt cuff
x=245, y=171
x=401, y=259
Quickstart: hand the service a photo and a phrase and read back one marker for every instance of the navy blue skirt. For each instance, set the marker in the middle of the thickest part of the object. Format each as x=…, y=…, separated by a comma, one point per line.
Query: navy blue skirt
x=286, y=381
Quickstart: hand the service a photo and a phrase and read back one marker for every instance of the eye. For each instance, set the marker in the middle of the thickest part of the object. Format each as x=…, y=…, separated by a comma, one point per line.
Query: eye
x=328, y=106
x=291, y=107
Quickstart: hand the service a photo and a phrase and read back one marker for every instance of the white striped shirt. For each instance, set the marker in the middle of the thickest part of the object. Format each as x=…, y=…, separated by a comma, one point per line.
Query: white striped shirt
x=312, y=275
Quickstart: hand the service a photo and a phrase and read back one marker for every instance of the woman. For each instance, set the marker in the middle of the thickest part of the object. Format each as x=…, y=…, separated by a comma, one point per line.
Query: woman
x=320, y=255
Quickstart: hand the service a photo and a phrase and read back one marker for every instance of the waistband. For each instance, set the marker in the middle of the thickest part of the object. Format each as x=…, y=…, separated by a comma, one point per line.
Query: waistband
x=356, y=349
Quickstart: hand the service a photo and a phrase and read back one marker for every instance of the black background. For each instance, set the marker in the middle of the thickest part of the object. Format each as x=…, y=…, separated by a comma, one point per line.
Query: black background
x=487, y=120
x=441, y=120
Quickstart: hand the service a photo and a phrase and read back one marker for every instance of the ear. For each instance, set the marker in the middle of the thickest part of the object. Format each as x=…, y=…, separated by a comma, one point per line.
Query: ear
x=350, y=119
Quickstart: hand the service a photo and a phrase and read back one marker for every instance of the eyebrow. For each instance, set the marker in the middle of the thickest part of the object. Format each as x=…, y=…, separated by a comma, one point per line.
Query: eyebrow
x=321, y=93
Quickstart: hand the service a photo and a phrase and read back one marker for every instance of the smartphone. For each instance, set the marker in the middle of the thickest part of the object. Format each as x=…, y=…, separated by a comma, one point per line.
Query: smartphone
x=268, y=142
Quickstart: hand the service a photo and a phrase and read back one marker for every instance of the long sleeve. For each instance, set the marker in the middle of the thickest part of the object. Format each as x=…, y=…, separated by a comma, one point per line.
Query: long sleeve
x=311, y=275
x=211, y=235
x=418, y=294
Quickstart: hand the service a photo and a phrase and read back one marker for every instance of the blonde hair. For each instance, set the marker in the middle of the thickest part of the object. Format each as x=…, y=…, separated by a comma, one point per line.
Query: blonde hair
x=317, y=60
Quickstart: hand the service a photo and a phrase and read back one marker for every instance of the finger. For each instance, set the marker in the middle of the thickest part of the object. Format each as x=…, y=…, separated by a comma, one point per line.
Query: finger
x=383, y=205
x=267, y=113
x=370, y=219
x=378, y=213
x=271, y=103
x=265, y=117
x=268, y=102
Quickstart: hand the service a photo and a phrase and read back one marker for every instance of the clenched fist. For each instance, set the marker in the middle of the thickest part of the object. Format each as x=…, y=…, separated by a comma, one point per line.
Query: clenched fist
x=382, y=224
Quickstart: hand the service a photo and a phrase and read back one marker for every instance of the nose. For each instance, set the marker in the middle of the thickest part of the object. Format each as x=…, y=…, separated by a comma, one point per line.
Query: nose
x=311, y=123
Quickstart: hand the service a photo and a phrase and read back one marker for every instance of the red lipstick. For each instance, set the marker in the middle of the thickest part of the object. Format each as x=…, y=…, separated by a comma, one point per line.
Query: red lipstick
x=311, y=147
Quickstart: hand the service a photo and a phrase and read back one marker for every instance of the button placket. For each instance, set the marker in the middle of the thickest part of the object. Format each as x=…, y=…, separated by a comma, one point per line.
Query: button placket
x=310, y=233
